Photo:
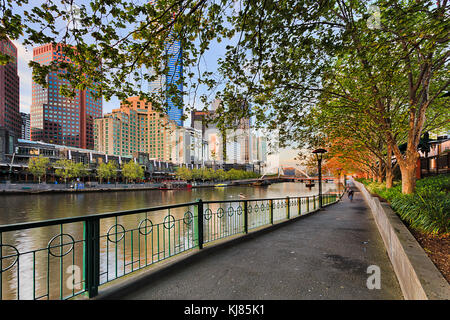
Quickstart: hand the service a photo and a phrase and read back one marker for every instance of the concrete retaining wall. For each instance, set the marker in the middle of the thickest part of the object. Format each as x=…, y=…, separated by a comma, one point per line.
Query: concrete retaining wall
x=418, y=277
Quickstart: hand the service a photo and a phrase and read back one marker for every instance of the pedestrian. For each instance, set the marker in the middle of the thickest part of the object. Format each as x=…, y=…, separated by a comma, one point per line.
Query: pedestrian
x=350, y=195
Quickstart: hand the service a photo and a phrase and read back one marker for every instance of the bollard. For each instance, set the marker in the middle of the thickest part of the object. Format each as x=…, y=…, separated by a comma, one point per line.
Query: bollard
x=271, y=211
x=198, y=221
x=245, y=216
x=92, y=256
x=287, y=207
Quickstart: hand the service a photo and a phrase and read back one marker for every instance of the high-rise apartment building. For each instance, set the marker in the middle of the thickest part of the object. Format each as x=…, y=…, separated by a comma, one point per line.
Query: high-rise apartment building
x=135, y=127
x=26, y=134
x=58, y=119
x=188, y=146
x=9, y=91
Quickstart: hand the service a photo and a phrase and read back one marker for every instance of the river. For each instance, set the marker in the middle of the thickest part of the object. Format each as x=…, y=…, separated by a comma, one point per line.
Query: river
x=127, y=243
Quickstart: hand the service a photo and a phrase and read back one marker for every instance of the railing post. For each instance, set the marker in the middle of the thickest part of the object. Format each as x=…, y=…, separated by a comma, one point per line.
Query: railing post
x=287, y=207
x=92, y=256
x=314, y=202
x=1, y=266
x=299, y=205
x=271, y=211
x=307, y=204
x=245, y=216
x=198, y=213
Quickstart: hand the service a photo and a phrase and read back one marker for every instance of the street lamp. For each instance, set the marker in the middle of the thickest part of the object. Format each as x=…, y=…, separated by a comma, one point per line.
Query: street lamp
x=319, y=153
x=339, y=181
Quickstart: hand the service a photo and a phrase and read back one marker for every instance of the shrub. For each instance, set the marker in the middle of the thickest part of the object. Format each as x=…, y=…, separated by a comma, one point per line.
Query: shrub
x=427, y=210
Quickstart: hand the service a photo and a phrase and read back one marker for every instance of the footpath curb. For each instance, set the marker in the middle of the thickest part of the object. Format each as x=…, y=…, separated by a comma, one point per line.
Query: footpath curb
x=418, y=277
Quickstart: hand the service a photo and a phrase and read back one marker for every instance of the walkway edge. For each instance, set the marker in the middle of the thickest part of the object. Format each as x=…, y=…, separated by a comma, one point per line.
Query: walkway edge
x=115, y=291
x=418, y=277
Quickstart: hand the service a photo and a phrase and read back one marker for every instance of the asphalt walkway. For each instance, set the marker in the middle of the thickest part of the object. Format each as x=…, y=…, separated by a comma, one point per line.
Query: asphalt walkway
x=322, y=256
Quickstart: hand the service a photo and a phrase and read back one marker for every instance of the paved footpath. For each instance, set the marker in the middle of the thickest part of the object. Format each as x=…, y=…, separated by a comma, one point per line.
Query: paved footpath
x=322, y=256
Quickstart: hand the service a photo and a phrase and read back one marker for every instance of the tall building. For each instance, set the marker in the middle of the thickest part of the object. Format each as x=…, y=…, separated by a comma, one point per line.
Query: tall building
x=135, y=127
x=25, y=125
x=175, y=73
x=188, y=146
x=58, y=119
x=9, y=91
x=174, y=64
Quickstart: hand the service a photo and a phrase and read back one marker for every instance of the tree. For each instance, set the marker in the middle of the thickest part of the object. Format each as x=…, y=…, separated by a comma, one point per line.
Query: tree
x=79, y=170
x=279, y=64
x=221, y=175
x=69, y=169
x=63, y=168
x=107, y=170
x=184, y=173
x=132, y=170
x=399, y=65
x=38, y=166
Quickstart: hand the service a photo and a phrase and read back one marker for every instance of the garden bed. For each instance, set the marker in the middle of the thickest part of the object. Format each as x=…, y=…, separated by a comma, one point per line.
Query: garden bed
x=426, y=214
x=437, y=249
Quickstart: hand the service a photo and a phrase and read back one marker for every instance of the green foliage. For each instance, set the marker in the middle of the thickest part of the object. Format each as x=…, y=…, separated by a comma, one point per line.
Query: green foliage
x=107, y=170
x=63, y=169
x=184, y=173
x=38, y=166
x=132, y=170
x=427, y=210
x=68, y=169
x=208, y=174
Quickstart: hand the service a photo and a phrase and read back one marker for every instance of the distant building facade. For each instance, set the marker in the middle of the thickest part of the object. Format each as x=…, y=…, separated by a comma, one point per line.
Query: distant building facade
x=26, y=131
x=9, y=91
x=135, y=127
x=58, y=119
x=189, y=147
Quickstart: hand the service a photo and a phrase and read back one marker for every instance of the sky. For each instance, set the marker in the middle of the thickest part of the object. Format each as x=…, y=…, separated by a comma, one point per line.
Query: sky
x=208, y=62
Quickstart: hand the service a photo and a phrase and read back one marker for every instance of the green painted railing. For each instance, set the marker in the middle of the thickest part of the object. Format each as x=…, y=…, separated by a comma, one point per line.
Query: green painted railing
x=74, y=256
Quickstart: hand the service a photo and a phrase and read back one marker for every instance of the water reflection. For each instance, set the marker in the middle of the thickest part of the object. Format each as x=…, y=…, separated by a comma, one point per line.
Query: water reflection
x=127, y=243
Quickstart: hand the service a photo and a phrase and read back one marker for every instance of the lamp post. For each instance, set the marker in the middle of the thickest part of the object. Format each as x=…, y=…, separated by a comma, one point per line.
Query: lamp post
x=339, y=180
x=319, y=153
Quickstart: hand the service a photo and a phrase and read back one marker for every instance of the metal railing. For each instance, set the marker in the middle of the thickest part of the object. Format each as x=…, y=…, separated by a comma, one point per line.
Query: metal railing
x=72, y=256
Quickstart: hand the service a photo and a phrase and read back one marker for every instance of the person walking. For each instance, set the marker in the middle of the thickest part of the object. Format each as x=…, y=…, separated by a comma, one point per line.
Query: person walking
x=350, y=195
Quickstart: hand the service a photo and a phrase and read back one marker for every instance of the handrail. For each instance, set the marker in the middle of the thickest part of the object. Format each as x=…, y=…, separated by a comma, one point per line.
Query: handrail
x=109, y=249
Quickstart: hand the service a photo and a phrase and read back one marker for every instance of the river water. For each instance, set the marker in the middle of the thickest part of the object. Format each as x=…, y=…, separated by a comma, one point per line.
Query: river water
x=127, y=243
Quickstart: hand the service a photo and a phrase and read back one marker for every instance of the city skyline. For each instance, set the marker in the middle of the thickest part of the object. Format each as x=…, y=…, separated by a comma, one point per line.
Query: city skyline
x=24, y=55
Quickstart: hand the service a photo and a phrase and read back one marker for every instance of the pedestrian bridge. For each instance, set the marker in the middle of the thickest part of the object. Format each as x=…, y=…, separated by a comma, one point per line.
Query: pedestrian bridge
x=279, y=248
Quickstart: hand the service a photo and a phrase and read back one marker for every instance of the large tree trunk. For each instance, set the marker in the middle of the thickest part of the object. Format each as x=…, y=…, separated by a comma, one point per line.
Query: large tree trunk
x=389, y=179
x=389, y=171
x=380, y=172
x=408, y=178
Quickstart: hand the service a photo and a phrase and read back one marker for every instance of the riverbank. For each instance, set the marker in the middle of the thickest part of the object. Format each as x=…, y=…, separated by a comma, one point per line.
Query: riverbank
x=43, y=188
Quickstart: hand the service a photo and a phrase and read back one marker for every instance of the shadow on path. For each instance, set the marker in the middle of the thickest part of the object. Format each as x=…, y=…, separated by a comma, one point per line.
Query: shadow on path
x=322, y=256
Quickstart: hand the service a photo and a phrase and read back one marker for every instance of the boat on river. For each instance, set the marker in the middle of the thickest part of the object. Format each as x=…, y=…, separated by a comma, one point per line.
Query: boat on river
x=261, y=183
x=174, y=185
x=219, y=185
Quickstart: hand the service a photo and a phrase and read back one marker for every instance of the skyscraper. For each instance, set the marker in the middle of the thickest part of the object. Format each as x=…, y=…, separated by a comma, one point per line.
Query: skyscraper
x=174, y=52
x=9, y=91
x=55, y=118
x=25, y=125
x=175, y=73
